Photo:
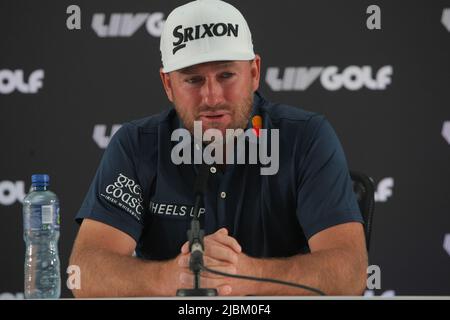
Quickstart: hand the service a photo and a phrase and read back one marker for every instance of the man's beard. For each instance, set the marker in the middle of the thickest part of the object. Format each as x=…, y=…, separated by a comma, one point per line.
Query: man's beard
x=240, y=114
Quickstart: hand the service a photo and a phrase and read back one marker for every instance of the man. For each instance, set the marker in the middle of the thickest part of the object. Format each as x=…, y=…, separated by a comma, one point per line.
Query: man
x=300, y=225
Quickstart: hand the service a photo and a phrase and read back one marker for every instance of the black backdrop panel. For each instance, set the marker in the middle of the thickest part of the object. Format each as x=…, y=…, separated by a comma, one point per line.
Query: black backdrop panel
x=392, y=128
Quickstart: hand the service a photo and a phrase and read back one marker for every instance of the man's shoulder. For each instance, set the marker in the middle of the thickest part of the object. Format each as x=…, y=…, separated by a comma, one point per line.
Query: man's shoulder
x=280, y=113
x=150, y=124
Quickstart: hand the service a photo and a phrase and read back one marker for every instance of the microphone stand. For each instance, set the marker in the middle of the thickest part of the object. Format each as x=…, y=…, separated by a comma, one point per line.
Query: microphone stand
x=195, y=236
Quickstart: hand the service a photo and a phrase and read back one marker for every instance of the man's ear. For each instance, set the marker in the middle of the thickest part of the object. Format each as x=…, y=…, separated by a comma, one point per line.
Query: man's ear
x=165, y=78
x=256, y=72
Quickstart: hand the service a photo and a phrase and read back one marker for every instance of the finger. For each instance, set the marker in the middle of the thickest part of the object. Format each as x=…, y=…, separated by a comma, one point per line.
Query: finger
x=215, y=250
x=184, y=260
x=211, y=262
x=225, y=240
x=185, y=248
x=224, y=290
x=219, y=252
x=223, y=231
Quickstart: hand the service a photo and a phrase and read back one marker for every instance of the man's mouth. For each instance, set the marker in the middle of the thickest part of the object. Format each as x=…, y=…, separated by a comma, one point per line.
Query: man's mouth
x=217, y=117
x=213, y=116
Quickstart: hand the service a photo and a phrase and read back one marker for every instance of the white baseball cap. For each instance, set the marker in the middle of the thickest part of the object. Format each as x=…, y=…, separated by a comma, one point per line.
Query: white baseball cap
x=204, y=31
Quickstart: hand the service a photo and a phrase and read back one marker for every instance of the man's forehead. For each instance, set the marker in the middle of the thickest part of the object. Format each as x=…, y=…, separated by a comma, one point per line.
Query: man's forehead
x=216, y=64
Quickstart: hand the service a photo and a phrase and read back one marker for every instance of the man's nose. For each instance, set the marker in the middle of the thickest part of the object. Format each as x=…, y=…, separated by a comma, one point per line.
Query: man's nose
x=212, y=93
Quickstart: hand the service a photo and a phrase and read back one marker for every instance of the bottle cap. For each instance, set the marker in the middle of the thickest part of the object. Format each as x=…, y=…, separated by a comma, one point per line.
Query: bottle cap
x=39, y=180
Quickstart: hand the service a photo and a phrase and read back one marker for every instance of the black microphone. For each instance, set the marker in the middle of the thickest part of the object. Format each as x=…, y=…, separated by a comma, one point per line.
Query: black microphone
x=195, y=237
x=195, y=234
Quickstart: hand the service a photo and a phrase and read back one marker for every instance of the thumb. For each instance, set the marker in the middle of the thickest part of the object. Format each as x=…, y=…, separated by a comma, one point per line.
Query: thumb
x=185, y=248
x=223, y=231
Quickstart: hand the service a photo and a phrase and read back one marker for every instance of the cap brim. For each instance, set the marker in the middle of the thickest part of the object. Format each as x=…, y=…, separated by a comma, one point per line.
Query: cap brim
x=208, y=57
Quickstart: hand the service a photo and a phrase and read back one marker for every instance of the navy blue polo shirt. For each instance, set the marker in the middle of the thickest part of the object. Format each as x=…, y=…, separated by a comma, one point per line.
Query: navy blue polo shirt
x=138, y=190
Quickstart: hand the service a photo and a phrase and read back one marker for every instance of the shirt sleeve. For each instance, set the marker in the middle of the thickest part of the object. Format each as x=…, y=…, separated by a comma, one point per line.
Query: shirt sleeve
x=115, y=195
x=325, y=196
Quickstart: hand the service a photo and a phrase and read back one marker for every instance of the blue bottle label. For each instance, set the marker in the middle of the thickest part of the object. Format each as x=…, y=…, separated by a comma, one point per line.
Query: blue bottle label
x=42, y=217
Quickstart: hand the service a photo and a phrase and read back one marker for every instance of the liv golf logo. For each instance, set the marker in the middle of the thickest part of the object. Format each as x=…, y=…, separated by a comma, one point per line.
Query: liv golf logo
x=100, y=136
x=331, y=78
x=12, y=80
x=446, y=131
x=384, y=189
x=125, y=25
x=11, y=192
x=446, y=18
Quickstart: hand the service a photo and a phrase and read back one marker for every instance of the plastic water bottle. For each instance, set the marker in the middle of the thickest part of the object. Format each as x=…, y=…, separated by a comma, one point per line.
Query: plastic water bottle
x=41, y=234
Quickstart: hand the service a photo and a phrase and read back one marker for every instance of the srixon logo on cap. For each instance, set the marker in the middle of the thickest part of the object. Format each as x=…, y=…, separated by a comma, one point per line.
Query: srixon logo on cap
x=201, y=31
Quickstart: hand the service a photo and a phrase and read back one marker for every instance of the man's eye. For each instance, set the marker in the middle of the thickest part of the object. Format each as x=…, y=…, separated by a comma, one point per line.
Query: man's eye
x=226, y=75
x=193, y=80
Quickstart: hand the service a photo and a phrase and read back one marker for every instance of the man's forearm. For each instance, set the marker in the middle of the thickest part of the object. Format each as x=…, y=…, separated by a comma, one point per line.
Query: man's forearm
x=106, y=274
x=334, y=272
